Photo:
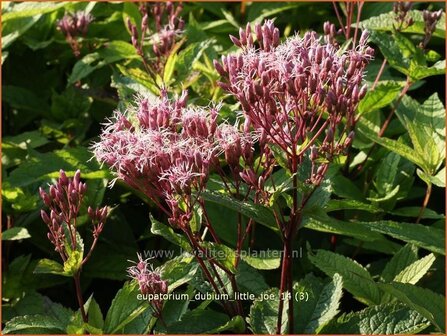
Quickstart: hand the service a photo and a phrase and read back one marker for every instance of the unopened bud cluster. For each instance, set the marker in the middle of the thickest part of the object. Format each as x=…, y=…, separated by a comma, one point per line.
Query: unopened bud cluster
x=431, y=19
x=296, y=93
x=166, y=29
x=74, y=25
x=401, y=9
x=149, y=282
x=64, y=200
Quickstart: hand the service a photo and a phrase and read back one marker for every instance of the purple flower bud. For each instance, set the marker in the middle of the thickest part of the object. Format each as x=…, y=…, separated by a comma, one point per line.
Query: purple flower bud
x=235, y=41
x=364, y=37
x=45, y=217
x=363, y=91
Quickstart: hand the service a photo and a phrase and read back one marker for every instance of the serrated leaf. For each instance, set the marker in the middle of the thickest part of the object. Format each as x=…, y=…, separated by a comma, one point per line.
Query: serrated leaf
x=263, y=315
x=387, y=22
x=258, y=213
x=384, y=319
x=269, y=262
x=41, y=167
x=426, y=126
x=321, y=305
x=249, y=279
x=168, y=233
x=427, y=303
x=414, y=211
x=403, y=258
x=415, y=271
x=50, y=266
x=111, y=52
x=382, y=95
x=21, y=10
x=347, y=204
x=319, y=221
x=30, y=322
x=178, y=271
x=423, y=236
x=366, y=128
x=125, y=308
x=356, y=279
x=201, y=321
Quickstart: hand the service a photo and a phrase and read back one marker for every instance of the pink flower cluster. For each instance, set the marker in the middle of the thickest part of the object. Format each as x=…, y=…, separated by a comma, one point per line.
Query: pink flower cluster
x=166, y=150
x=149, y=282
x=296, y=93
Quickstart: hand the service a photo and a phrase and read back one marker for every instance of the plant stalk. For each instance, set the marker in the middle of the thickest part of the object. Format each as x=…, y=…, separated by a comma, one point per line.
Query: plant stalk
x=77, y=280
x=425, y=202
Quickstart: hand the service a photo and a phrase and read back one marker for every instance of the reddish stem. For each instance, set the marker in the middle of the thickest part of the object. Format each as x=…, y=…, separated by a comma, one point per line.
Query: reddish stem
x=425, y=203
x=77, y=280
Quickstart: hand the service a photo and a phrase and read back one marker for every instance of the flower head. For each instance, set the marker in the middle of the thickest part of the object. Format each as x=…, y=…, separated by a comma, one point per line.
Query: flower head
x=149, y=281
x=294, y=92
x=161, y=147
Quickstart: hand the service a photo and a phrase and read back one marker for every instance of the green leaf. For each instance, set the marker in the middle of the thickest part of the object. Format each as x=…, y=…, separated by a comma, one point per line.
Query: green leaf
x=367, y=129
x=403, y=258
x=15, y=233
x=23, y=99
x=319, y=221
x=427, y=303
x=178, y=271
x=402, y=55
x=27, y=9
x=263, y=315
x=20, y=278
x=249, y=279
x=41, y=167
x=345, y=188
x=15, y=28
x=385, y=319
x=414, y=272
x=169, y=67
x=356, y=279
x=125, y=308
x=50, y=266
x=258, y=12
x=321, y=303
x=75, y=256
x=95, y=318
x=386, y=174
x=160, y=229
x=346, y=204
x=268, y=262
x=222, y=254
x=44, y=316
x=71, y=103
x=428, y=118
x=382, y=95
x=199, y=321
x=32, y=322
x=258, y=213
x=426, y=237
x=111, y=52
x=413, y=212
x=387, y=22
